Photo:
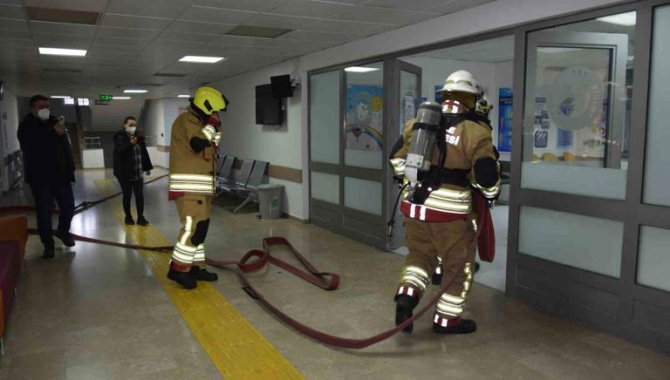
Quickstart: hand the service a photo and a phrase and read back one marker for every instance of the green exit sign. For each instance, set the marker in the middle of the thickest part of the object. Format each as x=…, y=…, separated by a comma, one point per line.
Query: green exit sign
x=106, y=97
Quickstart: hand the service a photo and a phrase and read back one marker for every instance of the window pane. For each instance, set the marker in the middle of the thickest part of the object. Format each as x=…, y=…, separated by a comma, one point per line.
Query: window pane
x=326, y=187
x=363, y=195
x=654, y=258
x=657, y=171
x=577, y=107
x=324, y=117
x=364, y=116
x=579, y=241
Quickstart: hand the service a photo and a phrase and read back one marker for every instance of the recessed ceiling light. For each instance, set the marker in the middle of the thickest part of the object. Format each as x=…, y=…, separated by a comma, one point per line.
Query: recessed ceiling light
x=121, y=97
x=201, y=59
x=65, y=52
x=358, y=69
x=135, y=91
x=625, y=19
x=60, y=97
x=183, y=96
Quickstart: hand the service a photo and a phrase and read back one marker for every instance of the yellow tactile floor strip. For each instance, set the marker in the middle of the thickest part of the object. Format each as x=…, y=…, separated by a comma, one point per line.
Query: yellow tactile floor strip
x=233, y=344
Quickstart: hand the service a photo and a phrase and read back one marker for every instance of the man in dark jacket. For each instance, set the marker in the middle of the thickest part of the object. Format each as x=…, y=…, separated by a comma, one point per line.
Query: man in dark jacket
x=49, y=170
x=131, y=161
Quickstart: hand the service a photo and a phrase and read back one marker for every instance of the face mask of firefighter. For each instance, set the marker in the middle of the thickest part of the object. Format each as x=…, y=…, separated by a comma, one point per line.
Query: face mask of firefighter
x=421, y=147
x=43, y=114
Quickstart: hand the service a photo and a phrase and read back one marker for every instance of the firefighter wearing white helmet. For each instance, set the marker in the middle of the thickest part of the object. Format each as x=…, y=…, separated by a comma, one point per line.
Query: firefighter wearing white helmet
x=196, y=135
x=440, y=206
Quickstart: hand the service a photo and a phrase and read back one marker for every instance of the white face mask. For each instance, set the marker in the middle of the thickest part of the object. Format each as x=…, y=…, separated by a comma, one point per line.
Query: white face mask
x=43, y=113
x=131, y=130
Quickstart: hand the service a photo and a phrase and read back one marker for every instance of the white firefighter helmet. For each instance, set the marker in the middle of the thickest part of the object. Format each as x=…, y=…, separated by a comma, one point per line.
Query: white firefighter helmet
x=461, y=81
x=483, y=106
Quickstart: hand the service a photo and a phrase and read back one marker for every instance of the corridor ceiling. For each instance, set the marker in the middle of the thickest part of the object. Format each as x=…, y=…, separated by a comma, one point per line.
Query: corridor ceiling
x=130, y=41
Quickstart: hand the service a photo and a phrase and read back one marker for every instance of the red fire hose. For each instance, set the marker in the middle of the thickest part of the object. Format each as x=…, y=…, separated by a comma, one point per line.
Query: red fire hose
x=255, y=260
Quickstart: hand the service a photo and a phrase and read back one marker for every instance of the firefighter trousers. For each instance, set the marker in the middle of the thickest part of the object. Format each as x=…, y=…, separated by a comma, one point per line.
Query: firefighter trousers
x=194, y=211
x=452, y=242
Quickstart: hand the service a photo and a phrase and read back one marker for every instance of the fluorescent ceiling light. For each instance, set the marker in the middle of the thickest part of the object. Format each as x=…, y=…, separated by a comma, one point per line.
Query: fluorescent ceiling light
x=625, y=19
x=65, y=52
x=135, y=91
x=200, y=59
x=60, y=97
x=121, y=97
x=183, y=96
x=359, y=69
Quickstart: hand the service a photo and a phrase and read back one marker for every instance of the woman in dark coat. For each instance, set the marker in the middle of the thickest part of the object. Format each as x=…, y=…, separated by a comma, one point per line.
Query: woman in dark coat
x=131, y=162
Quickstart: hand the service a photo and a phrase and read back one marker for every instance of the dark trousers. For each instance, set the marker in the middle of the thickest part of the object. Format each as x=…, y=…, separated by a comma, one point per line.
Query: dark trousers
x=128, y=188
x=44, y=202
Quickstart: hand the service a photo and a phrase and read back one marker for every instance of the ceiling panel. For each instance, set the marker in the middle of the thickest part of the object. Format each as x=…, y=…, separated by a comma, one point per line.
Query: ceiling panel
x=122, y=43
x=140, y=22
x=247, y=5
x=183, y=26
x=365, y=14
x=308, y=8
x=456, y=5
x=16, y=25
x=216, y=15
x=303, y=35
x=414, y=5
x=108, y=31
x=15, y=35
x=77, y=5
x=167, y=8
x=62, y=28
x=67, y=41
x=281, y=21
x=12, y=12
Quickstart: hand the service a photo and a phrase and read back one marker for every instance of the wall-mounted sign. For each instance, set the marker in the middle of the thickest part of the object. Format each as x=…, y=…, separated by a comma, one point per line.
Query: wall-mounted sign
x=106, y=97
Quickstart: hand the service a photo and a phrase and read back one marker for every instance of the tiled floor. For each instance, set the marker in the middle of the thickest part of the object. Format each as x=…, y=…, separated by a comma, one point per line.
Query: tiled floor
x=99, y=313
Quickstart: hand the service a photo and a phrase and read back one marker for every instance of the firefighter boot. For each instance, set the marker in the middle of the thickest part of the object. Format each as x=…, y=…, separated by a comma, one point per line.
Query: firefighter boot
x=404, y=305
x=201, y=274
x=456, y=326
x=182, y=278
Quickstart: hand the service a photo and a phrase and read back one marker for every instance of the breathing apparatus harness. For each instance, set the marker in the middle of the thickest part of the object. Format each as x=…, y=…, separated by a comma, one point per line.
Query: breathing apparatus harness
x=430, y=130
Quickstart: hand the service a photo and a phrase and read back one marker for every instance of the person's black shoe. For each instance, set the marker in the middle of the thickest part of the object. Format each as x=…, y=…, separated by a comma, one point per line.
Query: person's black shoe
x=182, y=278
x=201, y=274
x=66, y=238
x=465, y=326
x=404, y=305
x=129, y=221
x=48, y=253
x=142, y=222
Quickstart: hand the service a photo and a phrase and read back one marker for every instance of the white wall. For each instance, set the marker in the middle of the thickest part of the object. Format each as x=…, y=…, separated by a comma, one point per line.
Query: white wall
x=110, y=117
x=278, y=145
x=159, y=116
x=9, y=122
x=9, y=112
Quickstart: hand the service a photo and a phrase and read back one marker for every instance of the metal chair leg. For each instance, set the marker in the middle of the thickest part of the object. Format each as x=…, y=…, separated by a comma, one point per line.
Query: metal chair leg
x=244, y=203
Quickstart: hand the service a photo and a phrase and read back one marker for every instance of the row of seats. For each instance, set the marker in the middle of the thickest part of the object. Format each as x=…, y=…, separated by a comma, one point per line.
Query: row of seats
x=246, y=184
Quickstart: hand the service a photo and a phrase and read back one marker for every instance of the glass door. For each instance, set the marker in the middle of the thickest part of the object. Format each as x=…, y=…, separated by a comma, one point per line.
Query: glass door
x=405, y=87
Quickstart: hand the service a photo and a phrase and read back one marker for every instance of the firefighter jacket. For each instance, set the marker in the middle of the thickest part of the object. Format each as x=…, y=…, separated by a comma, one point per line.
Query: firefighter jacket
x=471, y=162
x=192, y=157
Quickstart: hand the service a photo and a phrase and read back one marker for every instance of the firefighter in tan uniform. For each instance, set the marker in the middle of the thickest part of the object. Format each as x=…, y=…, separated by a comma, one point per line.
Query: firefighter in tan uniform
x=193, y=154
x=446, y=155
